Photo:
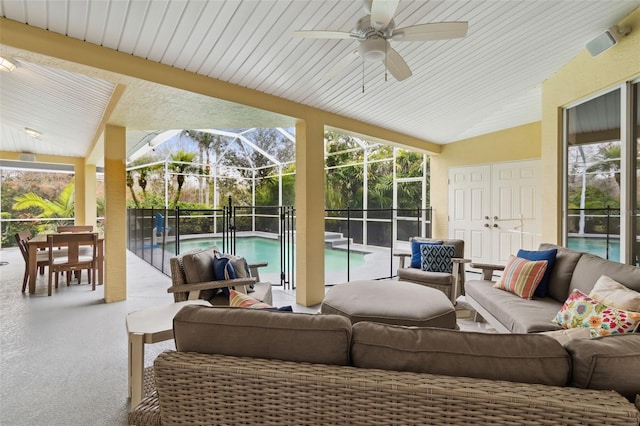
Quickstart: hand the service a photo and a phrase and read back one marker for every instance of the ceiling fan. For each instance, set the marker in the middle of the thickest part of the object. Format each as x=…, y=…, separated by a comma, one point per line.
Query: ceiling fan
x=374, y=31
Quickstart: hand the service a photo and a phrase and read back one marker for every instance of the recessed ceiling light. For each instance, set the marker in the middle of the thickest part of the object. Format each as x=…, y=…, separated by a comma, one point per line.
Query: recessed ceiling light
x=32, y=132
x=6, y=65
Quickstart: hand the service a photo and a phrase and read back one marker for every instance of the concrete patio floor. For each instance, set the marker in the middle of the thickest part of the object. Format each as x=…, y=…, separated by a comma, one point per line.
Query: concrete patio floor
x=63, y=359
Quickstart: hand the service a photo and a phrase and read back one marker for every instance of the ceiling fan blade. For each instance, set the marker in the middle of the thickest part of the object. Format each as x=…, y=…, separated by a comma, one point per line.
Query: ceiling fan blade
x=382, y=12
x=322, y=34
x=434, y=31
x=341, y=65
x=396, y=65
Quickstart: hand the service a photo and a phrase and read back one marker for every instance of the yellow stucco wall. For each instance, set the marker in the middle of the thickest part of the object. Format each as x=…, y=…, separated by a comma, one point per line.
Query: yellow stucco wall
x=517, y=143
x=581, y=78
x=309, y=212
x=115, y=218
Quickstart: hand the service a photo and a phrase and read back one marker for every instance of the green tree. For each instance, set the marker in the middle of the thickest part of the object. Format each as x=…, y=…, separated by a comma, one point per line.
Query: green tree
x=181, y=165
x=130, y=182
x=62, y=206
x=607, y=161
x=206, y=142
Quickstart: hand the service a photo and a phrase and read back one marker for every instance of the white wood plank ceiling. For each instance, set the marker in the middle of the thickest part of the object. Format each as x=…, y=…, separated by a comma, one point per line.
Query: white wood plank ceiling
x=460, y=88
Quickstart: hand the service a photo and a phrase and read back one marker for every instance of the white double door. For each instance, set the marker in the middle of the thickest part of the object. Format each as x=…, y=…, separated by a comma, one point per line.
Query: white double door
x=495, y=209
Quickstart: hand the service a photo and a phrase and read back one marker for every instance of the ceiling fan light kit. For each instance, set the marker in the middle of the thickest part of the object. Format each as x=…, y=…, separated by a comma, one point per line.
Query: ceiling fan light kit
x=32, y=132
x=6, y=65
x=373, y=49
x=374, y=31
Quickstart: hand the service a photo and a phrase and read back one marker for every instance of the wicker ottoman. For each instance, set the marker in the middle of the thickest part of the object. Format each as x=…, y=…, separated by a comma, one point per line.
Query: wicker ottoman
x=391, y=302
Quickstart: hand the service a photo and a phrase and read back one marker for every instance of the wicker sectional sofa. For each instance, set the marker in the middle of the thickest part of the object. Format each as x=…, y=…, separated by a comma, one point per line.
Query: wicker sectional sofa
x=246, y=366
x=508, y=313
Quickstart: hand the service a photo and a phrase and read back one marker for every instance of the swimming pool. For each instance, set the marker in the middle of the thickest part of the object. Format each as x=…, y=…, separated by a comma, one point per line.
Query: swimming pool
x=256, y=249
x=597, y=246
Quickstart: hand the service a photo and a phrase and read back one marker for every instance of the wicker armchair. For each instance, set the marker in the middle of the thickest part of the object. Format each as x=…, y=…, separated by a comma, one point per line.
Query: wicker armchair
x=192, y=277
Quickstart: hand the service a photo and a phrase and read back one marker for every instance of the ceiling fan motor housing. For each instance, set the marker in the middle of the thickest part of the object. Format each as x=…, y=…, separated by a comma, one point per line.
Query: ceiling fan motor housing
x=364, y=29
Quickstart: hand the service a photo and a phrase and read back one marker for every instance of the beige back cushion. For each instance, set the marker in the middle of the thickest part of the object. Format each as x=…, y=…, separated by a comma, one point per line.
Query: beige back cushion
x=198, y=266
x=609, y=362
x=590, y=268
x=525, y=358
x=319, y=339
x=611, y=293
x=562, y=271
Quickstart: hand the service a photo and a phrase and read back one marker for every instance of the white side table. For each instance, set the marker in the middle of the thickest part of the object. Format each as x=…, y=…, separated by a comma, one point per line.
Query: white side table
x=150, y=325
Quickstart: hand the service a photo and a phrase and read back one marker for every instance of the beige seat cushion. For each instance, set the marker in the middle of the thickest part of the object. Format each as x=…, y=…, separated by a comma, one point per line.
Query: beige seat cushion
x=525, y=358
x=418, y=275
x=390, y=302
x=299, y=337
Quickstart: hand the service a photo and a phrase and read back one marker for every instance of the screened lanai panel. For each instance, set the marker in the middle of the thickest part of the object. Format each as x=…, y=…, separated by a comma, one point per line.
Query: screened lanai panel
x=380, y=186
x=410, y=214
x=343, y=187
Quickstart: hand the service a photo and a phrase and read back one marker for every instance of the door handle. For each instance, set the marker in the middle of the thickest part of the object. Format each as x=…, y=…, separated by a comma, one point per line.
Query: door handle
x=486, y=225
x=495, y=225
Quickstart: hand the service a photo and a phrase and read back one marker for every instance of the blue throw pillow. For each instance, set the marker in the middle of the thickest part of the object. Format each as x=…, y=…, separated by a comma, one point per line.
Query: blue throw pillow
x=416, y=254
x=437, y=258
x=223, y=270
x=287, y=308
x=550, y=257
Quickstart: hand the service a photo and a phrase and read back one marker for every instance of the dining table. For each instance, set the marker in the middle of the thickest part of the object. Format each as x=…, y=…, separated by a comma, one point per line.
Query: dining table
x=40, y=242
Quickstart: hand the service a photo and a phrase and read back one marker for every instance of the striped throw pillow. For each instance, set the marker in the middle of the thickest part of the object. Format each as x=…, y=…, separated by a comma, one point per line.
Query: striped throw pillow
x=521, y=276
x=241, y=300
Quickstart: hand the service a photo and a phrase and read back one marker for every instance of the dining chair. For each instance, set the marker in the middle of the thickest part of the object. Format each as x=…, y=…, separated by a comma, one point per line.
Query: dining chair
x=42, y=258
x=74, y=228
x=76, y=259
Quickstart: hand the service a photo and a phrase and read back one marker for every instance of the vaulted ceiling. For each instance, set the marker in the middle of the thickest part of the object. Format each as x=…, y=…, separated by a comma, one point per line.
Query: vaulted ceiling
x=487, y=81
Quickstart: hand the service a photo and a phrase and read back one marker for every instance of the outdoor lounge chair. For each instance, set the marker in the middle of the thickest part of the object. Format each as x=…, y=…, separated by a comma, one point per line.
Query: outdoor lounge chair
x=451, y=282
x=193, y=277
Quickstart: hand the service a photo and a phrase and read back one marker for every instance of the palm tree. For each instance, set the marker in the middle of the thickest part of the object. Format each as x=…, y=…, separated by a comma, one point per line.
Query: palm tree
x=130, y=186
x=205, y=142
x=181, y=164
x=62, y=206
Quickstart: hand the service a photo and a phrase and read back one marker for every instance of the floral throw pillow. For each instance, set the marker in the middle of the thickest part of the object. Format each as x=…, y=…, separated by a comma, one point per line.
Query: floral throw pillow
x=579, y=310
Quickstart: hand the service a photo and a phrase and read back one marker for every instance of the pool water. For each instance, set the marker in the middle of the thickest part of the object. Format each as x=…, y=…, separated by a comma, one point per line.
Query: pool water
x=597, y=246
x=256, y=249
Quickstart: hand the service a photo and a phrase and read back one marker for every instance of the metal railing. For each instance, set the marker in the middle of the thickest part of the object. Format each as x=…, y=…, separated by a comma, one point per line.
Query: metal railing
x=155, y=235
x=595, y=231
